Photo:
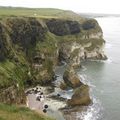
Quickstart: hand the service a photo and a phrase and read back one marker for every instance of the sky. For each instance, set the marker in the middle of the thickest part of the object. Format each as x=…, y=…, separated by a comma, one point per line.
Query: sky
x=82, y=6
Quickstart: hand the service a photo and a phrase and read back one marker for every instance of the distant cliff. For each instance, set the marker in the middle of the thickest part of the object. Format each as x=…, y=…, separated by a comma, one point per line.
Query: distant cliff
x=31, y=47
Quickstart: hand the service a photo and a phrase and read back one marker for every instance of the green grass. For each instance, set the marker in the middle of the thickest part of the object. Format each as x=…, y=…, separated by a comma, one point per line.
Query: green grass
x=11, y=74
x=12, y=112
x=39, y=12
x=48, y=45
x=9, y=11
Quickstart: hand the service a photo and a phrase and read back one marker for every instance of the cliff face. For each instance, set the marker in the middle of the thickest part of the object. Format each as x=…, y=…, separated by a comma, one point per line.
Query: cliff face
x=30, y=48
x=88, y=44
x=27, y=55
x=63, y=27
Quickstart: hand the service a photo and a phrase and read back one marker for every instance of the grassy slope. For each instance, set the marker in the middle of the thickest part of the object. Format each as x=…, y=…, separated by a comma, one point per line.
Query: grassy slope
x=40, y=13
x=11, y=112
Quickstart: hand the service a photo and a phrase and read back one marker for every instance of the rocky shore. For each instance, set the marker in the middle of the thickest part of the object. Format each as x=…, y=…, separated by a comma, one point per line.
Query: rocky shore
x=55, y=101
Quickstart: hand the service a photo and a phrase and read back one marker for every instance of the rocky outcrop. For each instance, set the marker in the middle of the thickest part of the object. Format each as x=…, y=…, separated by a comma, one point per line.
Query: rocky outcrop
x=89, y=24
x=63, y=27
x=74, y=52
x=80, y=97
x=71, y=53
x=25, y=32
x=88, y=44
x=70, y=78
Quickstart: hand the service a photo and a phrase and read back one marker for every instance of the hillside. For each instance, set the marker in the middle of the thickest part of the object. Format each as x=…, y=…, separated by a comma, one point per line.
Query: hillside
x=39, y=12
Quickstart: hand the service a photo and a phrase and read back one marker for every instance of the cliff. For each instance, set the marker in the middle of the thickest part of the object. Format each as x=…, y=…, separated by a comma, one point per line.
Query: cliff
x=31, y=47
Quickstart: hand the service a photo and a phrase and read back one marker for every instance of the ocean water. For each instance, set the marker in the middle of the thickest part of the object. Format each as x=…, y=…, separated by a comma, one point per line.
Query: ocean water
x=104, y=76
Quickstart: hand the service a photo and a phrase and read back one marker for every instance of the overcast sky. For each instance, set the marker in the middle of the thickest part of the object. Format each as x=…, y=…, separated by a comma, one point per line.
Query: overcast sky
x=87, y=6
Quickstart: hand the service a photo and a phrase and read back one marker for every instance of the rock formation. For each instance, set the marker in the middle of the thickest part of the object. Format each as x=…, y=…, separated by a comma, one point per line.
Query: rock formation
x=80, y=97
x=71, y=79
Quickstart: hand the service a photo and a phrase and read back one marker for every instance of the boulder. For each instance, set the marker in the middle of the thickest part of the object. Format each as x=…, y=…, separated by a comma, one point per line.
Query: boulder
x=70, y=78
x=80, y=96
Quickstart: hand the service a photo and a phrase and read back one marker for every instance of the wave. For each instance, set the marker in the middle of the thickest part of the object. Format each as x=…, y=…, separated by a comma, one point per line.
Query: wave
x=94, y=111
x=108, y=45
x=108, y=60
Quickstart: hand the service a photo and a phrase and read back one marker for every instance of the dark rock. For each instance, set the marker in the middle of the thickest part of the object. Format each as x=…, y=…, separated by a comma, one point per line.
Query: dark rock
x=3, y=49
x=33, y=90
x=59, y=98
x=63, y=27
x=29, y=82
x=58, y=95
x=44, y=110
x=38, y=98
x=45, y=106
x=89, y=24
x=25, y=32
x=41, y=93
x=36, y=88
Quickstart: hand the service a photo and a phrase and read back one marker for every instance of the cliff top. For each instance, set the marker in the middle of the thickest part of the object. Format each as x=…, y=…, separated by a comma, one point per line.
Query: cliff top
x=39, y=13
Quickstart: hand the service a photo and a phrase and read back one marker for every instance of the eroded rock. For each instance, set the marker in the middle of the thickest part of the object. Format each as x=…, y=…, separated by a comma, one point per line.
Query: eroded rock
x=80, y=97
x=70, y=78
